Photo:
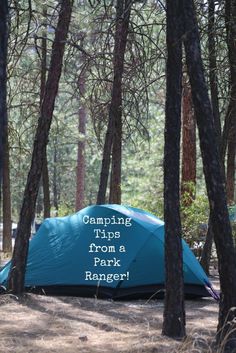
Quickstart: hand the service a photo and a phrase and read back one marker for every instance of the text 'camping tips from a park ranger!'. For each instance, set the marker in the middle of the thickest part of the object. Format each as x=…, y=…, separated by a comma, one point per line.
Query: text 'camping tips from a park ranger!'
x=107, y=250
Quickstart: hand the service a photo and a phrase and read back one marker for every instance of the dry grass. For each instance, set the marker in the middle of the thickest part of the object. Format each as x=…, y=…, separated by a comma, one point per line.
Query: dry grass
x=69, y=325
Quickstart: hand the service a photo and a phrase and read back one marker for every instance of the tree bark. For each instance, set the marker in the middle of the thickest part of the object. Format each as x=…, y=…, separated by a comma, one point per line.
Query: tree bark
x=188, y=180
x=230, y=182
x=46, y=189
x=4, y=13
x=114, y=129
x=213, y=69
x=4, y=145
x=230, y=118
x=55, y=178
x=230, y=16
x=106, y=160
x=115, y=182
x=7, y=222
x=174, y=312
x=212, y=169
x=18, y=265
x=3, y=77
x=206, y=252
x=80, y=172
x=45, y=175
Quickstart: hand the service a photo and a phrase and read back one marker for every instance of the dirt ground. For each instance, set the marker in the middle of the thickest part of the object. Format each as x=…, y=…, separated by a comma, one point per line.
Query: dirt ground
x=45, y=324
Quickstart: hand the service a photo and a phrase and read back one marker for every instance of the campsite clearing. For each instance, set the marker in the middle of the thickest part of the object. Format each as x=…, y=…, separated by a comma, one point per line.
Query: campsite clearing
x=44, y=324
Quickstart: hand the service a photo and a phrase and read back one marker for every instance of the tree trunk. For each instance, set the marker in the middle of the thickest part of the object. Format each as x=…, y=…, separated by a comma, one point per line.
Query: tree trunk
x=114, y=130
x=18, y=265
x=7, y=223
x=80, y=172
x=230, y=16
x=230, y=182
x=46, y=189
x=4, y=146
x=213, y=69
x=45, y=176
x=115, y=182
x=212, y=169
x=188, y=181
x=3, y=78
x=174, y=312
x=3, y=86
x=101, y=197
x=206, y=252
x=55, y=179
x=230, y=23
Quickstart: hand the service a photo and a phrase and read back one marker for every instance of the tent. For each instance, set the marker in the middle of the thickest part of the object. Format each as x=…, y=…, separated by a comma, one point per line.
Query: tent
x=107, y=251
x=232, y=213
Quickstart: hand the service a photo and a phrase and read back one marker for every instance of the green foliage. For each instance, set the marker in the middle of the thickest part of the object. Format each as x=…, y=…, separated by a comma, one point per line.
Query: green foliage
x=189, y=191
x=64, y=210
x=142, y=179
x=92, y=29
x=89, y=51
x=195, y=218
x=154, y=206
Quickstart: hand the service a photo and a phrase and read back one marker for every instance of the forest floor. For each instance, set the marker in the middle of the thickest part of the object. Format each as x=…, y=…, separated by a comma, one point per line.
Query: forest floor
x=45, y=324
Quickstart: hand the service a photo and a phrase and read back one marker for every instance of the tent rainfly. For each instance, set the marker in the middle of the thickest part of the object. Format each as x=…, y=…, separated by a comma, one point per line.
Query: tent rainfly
x=107, y=251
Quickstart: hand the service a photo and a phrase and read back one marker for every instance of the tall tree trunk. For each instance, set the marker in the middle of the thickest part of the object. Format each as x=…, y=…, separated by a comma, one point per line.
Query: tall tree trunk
x=101, y=197
x=55, y=178
x=4, y=146
x=231, y=18
x=7, y=223
x=174, y=312
x=114, y=130
x=3, y=77
x=212, y=169
x=213, y=69
x=80, y=170
x=188, y=180
x=18, y=265
x=230, y=118
x=45, y=176
x=115, y=180
x=206, y=252
x=46, y=189
x=230, y=181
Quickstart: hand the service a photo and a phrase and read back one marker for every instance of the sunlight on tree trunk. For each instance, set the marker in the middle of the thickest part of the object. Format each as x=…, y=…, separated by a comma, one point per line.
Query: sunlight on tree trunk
x=188, y=180
x=230, y=129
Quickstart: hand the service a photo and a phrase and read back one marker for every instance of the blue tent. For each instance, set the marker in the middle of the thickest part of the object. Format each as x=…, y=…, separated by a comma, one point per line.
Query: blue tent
x=232, y=213
x=107, y=251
